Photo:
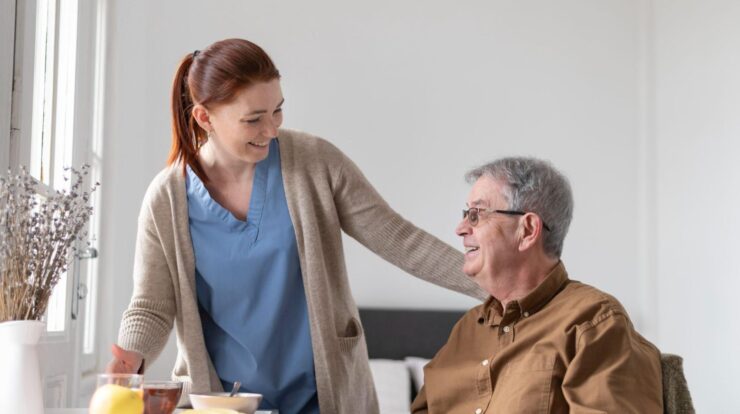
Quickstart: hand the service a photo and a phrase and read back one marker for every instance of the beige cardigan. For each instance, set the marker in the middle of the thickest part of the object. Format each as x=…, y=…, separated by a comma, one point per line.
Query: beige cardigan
x=325, y=192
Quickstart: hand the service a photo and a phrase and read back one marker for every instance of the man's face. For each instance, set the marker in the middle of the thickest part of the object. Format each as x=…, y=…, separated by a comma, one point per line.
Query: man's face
x=491, y=245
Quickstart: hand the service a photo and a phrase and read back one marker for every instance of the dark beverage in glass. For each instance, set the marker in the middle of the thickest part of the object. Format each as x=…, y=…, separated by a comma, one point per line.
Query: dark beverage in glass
x=161, y=397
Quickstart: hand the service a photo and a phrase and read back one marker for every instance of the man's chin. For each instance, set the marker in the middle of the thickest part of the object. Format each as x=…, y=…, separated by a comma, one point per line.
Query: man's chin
x=470, y=268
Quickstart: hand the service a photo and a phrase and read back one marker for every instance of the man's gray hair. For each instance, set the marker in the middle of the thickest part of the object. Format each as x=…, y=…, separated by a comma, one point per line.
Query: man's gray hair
x=534, y=185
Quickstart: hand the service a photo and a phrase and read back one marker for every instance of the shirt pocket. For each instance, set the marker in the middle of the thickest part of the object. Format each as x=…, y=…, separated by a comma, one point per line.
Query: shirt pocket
x=525, y=385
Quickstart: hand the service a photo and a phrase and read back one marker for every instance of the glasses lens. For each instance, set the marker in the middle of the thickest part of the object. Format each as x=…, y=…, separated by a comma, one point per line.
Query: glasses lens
x=473, y=216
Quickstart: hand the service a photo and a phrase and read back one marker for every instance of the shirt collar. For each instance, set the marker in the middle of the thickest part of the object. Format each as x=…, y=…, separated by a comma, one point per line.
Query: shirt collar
x=491, y=311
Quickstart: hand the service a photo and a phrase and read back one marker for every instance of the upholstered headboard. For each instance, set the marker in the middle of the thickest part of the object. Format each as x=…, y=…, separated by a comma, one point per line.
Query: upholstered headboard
x=399, y=343
x=399, y=333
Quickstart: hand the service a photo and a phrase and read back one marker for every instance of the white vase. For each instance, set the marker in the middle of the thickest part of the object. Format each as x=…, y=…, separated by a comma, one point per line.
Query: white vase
x=20, y=378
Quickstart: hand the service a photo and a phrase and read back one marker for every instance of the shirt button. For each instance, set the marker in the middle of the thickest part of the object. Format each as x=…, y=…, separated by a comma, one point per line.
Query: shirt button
x=478, y=411
x=485, y=362
x=526, y=314
x=507, y=329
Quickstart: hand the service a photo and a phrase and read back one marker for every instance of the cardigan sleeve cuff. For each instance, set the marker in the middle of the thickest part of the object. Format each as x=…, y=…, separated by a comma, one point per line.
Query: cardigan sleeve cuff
x=145, y=328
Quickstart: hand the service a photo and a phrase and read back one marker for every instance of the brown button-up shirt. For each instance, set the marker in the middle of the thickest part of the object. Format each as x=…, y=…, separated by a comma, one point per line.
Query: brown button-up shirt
x=565, y=347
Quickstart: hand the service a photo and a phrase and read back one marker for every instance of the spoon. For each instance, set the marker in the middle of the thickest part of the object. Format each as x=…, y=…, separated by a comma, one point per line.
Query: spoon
x=235, y=388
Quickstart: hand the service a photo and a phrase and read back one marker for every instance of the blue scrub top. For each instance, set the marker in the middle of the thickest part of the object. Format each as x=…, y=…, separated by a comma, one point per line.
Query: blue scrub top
x=250, y=292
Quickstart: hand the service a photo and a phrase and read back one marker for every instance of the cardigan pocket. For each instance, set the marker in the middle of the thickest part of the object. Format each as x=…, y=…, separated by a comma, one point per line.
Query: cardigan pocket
x=352, y=335
x=351, y=380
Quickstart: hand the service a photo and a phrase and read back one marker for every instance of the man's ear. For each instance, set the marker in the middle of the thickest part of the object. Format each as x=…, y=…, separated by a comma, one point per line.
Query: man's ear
x=531, y=228
x=202, y=117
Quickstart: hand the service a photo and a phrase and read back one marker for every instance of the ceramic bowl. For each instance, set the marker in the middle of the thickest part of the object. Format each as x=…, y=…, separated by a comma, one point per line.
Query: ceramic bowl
x=243, y=402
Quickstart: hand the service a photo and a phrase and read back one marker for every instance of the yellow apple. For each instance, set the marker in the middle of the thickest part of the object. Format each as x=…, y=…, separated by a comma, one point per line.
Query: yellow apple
x=115, y=399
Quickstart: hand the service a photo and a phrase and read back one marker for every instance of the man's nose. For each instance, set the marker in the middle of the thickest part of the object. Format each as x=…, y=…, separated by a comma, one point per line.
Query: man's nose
x=463, y=228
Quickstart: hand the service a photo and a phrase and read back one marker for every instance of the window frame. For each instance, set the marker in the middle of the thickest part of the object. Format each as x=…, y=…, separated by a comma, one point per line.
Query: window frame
x=17, y=54
x=7, y=52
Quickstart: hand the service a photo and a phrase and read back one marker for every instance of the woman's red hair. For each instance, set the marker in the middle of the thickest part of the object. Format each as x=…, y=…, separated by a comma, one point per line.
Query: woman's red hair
x=211, y=77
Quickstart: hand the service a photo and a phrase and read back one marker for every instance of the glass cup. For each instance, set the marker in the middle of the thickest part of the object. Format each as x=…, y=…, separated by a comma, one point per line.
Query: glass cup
x=125, y=380
x=161, y=397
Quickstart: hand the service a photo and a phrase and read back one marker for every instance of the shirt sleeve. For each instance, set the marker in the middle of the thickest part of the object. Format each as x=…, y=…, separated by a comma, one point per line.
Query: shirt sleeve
x=614, y=369
x=366, y=217
x=147, y=323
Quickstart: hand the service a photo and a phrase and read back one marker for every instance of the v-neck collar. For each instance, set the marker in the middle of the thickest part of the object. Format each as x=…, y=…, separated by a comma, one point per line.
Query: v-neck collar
x=256, y=200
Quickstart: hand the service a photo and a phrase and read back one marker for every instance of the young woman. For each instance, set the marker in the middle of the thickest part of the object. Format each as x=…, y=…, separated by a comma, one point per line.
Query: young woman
x=239, y=246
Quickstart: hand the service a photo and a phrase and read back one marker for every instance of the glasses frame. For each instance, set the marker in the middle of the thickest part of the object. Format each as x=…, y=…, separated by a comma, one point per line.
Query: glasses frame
x=474, y=218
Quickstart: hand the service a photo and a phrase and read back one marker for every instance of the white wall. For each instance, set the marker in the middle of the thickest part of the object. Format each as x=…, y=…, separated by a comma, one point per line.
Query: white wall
x=417, y=92
x=697, y=125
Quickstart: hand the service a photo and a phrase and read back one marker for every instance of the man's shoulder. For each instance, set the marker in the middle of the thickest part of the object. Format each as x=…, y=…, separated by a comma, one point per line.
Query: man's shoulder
x=591, y=308
x=587, y=303
x=589, y=294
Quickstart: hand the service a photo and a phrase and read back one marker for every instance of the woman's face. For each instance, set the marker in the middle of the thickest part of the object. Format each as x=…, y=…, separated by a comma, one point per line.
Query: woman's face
x=241, y=129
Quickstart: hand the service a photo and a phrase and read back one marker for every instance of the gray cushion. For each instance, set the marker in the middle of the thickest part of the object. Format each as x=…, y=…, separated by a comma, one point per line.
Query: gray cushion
x=676, y=396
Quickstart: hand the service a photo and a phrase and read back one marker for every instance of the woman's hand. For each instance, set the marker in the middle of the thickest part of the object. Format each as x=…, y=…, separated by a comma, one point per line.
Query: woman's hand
x=124, y=362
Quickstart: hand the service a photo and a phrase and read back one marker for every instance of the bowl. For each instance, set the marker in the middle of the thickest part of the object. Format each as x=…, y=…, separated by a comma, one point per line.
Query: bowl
x=243, y=402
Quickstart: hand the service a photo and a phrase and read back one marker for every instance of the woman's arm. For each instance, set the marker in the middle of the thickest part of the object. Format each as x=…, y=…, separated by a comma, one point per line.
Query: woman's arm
x=366, y=217
x=147, y=322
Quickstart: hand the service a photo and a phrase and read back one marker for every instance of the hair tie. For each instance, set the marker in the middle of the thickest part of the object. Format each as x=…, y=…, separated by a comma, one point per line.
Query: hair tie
x=195, y=53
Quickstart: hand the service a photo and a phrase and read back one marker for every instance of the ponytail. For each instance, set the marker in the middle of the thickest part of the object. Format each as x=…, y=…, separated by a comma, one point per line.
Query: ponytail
x=187, y=135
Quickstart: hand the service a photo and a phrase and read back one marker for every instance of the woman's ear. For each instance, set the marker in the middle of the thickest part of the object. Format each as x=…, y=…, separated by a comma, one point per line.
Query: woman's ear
x=201, y=116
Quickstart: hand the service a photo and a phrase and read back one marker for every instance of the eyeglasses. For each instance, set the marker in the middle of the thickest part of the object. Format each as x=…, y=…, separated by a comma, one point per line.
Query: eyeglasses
x=473, y=215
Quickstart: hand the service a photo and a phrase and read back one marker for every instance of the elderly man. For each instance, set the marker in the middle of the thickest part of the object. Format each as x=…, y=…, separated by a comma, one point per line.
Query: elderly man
x=541, y=343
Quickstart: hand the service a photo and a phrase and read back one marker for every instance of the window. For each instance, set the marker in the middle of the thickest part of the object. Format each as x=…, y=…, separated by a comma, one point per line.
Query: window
x=52, y=115
x=51, y=78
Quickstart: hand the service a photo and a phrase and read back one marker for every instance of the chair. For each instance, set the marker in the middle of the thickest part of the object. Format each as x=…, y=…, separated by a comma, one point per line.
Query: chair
x=676, y=396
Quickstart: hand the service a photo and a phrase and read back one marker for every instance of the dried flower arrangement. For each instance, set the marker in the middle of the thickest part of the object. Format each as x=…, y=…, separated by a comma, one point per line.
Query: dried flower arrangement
x=38, y=237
